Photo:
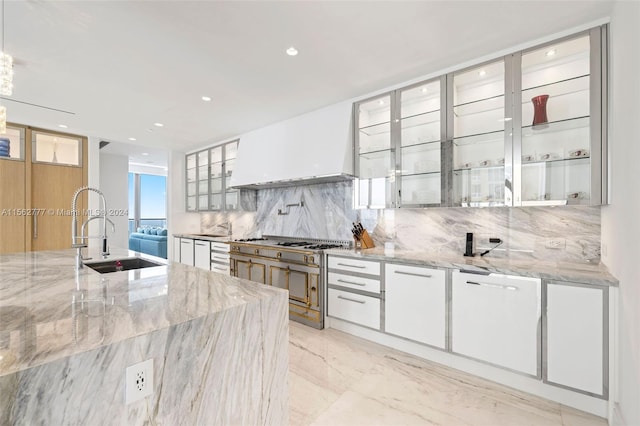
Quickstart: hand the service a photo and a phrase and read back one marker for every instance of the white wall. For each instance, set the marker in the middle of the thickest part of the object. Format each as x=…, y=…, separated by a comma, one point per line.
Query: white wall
x=621, y=219
x=178, y=221
x=114, y=184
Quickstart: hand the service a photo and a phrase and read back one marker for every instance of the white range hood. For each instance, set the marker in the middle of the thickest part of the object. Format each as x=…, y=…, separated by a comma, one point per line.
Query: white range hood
x=311, y=148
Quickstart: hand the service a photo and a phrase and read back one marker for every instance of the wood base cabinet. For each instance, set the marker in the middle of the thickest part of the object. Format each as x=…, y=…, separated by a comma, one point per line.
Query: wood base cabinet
x=495, y=318
x=415, y=303
x=576, y=328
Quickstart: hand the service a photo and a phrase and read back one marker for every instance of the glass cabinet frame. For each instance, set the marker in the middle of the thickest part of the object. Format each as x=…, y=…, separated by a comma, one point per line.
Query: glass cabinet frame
x=200, y=196
x=510, y=193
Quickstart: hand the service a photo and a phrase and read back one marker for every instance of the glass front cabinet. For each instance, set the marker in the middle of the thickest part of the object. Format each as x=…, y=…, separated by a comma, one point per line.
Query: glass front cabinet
x=525, y=129
x=208, y=176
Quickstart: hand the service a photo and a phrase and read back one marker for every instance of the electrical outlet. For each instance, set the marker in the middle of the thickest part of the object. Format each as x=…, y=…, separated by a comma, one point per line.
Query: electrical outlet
x=139, y=381
x=555, y=243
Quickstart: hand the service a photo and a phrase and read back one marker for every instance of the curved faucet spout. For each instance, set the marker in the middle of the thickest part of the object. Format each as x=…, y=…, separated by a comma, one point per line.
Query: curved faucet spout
x=80, y=242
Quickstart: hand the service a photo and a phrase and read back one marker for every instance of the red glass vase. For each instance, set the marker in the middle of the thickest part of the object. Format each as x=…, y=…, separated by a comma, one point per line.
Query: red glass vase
x=539, y=109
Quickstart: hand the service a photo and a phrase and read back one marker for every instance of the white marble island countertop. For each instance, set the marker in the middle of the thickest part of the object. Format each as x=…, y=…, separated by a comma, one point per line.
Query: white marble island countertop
x=587, y=273
x=61, y=313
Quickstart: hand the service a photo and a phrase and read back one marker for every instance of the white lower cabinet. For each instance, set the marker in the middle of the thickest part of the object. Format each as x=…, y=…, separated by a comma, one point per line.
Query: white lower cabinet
x=415, y=303
x=202, y=254
x=186, y=251
x=359, y=309
x=495, y=318
x=575, y=327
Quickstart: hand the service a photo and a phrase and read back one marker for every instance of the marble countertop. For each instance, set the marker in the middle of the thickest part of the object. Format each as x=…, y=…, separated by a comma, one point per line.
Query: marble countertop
x=206, y=237
x=49, y=311
x=586, y=273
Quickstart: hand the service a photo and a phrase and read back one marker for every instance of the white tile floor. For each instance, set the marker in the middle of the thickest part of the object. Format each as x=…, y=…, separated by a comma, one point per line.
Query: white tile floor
x=339, y=379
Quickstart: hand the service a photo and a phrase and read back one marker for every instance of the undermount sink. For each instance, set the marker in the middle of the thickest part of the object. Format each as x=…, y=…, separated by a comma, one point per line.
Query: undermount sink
x=126, y=264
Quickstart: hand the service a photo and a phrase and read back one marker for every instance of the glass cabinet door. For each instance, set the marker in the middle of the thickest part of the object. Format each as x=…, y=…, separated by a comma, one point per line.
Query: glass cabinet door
x=420, y=145
x=192, y=189
x=12, y=143
x=230, y=195
x=478, y=121
x=216, y=179
x=556, y=122
x=375, y=154
x=203, y=180
x=56, y=149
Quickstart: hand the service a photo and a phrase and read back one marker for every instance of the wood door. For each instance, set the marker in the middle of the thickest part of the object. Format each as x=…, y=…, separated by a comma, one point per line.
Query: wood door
x=12, y=206
x=52, y=189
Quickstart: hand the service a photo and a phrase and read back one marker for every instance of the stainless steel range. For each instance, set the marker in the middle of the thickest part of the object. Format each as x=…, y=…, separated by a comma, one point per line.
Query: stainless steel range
x=294, y=264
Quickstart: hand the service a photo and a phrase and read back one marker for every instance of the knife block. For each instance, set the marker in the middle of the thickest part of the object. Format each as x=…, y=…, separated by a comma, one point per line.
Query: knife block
x=364, y=241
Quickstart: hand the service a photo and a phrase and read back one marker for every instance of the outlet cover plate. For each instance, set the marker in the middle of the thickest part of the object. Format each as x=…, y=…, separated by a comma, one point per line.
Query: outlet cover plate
x=139, y=381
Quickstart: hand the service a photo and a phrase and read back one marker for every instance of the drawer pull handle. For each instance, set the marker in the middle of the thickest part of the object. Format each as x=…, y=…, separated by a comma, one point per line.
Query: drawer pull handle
x=201, y=244
x=219, y=257
x=504, y=287
x=352, y=266
x=351, y=282
x=186, y=242
x=413, y=274
x=351, y=300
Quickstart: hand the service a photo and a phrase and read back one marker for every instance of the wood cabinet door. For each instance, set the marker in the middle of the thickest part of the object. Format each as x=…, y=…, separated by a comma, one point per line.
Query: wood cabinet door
x=52, y=189
x=12, y=199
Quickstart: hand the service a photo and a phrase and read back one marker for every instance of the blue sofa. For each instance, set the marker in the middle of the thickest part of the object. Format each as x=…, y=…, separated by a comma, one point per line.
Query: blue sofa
x=151, y=241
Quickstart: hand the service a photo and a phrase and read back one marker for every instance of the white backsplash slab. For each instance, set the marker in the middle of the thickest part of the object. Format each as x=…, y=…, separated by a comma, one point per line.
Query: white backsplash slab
x=570, y=233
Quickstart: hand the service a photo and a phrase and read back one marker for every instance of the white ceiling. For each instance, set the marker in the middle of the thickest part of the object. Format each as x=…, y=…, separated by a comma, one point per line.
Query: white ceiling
x=120, y=66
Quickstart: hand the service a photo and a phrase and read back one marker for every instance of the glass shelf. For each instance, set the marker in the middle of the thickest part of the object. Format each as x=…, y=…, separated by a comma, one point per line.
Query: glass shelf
x=374, y=112
x=479, y=101
x=577, y=81
x=556, y=126
x=480, y=138
x=374, y=155
x=421, y=99
x=419, y=129
x=494, y=105
x=558, y=160
x=466, y=169
x=436, y=173
x=376, y=129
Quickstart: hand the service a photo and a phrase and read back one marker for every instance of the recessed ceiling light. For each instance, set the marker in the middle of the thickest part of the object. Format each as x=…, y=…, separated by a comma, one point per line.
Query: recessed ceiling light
x=62, y=126
x=482, y=73
x=380, y=102
x=206, y=98
x=132, y=139
x=551, y=52
x=158, y=124
x=424, y=90
x=145, y=153
x=292, y=51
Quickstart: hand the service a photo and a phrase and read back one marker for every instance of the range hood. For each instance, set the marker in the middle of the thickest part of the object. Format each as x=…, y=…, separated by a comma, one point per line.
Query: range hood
x=312, y=148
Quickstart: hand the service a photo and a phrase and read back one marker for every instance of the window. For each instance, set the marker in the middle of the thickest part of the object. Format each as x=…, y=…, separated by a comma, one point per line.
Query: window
x=147, y=201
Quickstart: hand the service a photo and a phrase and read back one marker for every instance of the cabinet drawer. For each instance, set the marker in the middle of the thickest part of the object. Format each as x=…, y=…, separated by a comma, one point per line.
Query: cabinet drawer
x=217, y=267
x=352, y=307
x=414, y=274
x=364, y=284
x=222, y=247
x=354, y=265
x=219, y=257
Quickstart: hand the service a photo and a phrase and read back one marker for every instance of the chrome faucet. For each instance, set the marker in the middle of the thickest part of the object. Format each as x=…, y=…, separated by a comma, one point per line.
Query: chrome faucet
x=80, y=242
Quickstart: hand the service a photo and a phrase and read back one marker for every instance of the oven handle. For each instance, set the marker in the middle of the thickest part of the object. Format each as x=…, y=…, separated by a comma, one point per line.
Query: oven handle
x=351, y=282
x=352, y=300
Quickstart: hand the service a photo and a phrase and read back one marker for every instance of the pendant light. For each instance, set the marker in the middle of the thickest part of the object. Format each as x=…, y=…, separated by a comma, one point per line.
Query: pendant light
x=6, y=78
x=6, y=66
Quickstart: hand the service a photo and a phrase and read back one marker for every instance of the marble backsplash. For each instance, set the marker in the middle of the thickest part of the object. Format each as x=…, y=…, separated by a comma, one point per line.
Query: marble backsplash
x=569, y=233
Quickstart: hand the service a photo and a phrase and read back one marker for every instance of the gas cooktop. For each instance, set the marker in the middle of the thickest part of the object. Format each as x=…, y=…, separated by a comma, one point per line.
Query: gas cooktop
x=311, y=244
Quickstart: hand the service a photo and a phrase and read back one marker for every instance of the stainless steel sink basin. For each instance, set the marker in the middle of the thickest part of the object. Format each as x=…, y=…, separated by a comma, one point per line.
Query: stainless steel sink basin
x=126, y=264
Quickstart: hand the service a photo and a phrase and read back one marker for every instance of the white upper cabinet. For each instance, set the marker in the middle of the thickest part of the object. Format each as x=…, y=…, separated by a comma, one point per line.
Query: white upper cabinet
x=315, y=146
x=528, y=128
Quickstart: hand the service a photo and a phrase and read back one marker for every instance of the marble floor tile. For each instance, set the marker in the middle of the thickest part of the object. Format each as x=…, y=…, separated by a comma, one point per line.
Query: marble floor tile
x=339, y=379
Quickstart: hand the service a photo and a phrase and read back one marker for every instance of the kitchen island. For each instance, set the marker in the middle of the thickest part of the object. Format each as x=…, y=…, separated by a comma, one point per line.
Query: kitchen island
x=219, y=344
